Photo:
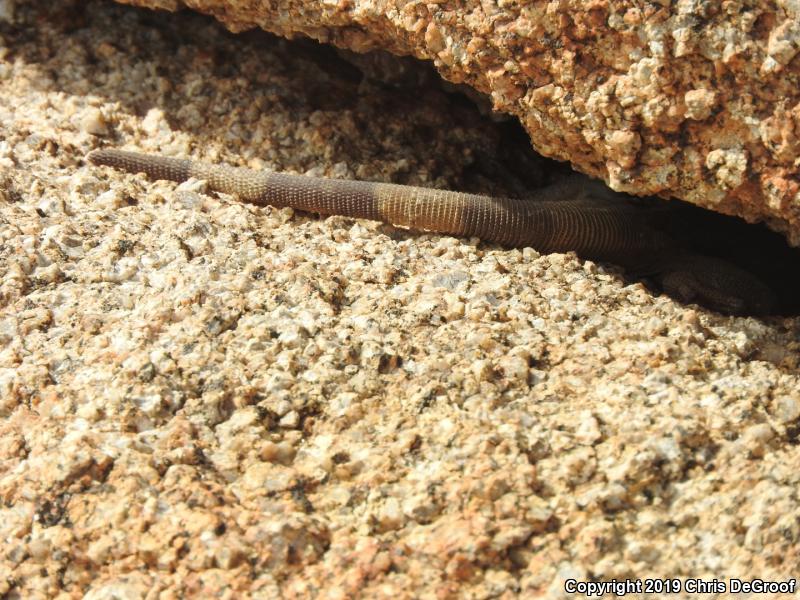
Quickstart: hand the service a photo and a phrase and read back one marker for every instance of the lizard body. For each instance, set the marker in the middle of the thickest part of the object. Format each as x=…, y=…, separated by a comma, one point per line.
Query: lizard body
x=576, y=214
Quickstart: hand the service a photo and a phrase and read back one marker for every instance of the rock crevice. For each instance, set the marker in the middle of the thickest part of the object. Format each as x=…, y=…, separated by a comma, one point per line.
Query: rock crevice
x=693, y=99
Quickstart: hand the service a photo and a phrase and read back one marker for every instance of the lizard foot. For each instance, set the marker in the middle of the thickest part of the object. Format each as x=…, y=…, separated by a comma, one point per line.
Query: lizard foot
x=717, y=284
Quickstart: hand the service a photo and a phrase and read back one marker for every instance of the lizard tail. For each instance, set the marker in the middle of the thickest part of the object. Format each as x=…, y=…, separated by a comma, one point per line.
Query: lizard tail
x=155, y=167
x=596, y=229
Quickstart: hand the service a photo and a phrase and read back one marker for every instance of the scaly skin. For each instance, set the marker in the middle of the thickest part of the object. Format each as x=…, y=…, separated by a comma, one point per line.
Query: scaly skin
x=576, y=214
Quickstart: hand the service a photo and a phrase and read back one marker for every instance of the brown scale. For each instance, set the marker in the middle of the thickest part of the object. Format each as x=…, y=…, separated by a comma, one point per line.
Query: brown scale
x=574, y=215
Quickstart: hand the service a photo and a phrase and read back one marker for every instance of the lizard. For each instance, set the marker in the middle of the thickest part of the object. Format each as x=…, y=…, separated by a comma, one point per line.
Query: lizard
x=576, y=214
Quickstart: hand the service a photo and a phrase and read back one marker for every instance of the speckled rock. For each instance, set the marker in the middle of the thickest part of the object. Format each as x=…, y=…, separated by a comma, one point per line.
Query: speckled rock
x=693, y=99
x=206, y=399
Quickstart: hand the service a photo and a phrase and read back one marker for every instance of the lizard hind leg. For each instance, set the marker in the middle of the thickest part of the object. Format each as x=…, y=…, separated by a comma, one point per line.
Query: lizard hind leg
x=717, y=284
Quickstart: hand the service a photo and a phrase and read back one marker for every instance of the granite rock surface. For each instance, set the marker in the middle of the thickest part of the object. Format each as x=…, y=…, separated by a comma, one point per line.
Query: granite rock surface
x=694, y=99
x=201, y=398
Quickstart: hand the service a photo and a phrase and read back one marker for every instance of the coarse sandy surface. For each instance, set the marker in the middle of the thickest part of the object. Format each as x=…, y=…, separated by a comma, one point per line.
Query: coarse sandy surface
x=203, y=398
